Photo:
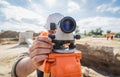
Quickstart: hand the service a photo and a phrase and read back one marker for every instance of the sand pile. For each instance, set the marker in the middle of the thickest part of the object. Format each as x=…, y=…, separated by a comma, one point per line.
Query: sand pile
x=8, y=53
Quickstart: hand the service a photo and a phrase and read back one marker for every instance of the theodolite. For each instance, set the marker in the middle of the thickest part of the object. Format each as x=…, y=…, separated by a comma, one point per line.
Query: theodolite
x=64, y=61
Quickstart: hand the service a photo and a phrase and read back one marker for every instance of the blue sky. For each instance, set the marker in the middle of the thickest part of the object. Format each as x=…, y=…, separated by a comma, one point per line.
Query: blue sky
x=22, y=15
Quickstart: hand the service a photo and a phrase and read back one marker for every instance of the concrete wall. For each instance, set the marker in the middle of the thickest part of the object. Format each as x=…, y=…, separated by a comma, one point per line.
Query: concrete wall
x=26, y=37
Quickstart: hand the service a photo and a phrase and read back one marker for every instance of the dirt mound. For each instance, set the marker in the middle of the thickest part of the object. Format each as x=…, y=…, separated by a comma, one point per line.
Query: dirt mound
x=11, y=37
x=8, y=37
x=9, y=34
x=13, y=34
x=100, y=58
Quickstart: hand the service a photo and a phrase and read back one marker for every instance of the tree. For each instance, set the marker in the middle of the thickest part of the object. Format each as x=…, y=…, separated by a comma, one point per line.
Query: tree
x=2, y=30
x=97, y=31
x=85, y=33
x=77, y=31
x=108, y=31
x=117, y=35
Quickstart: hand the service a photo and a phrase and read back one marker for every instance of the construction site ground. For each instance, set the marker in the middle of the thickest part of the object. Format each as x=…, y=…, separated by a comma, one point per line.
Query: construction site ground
x=10, y=50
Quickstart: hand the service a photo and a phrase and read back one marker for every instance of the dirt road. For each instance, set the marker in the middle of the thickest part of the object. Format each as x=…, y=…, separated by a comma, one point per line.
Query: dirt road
x=7, y=55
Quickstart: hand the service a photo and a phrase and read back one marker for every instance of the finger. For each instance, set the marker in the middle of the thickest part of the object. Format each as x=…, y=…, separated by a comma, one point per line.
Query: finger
x=44, y=38
x=39, y=64
x=40, y=52
x=40, y=44
x=39, y=58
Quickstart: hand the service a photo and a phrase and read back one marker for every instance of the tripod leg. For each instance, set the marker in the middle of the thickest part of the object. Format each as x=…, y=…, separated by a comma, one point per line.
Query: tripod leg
x=39, y=73
x=46, y=75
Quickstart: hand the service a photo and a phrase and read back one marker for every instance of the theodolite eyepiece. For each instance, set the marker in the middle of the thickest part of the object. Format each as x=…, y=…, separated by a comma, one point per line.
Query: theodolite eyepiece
x=67, y=24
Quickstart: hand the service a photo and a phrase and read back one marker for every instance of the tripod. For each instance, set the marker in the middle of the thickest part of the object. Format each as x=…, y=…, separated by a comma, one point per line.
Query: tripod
x=62, y=64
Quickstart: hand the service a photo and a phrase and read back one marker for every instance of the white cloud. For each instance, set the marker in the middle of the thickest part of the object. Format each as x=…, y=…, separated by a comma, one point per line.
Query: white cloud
x=113, y=1
x=4, y=3
x=30, y=1
x=73, y=6
x=39, y=9
x=19, y=18
x=34, y=16
x=18, y=26
x=114, y=9
x=84, y=1
x=18, y=13
x=50, y=3
x=108, y=8
x=106, y=23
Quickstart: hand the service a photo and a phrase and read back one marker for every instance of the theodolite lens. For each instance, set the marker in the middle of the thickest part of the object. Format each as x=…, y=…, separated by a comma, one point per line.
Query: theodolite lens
x=68, y=25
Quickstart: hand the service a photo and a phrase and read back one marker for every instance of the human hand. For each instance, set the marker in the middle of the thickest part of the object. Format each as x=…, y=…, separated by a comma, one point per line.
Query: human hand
x=40, y=49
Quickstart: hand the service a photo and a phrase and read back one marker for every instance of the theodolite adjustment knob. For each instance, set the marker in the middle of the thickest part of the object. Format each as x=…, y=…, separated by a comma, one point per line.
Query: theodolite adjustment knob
x=77, y=36
x=51, y=36
x=52, y=26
